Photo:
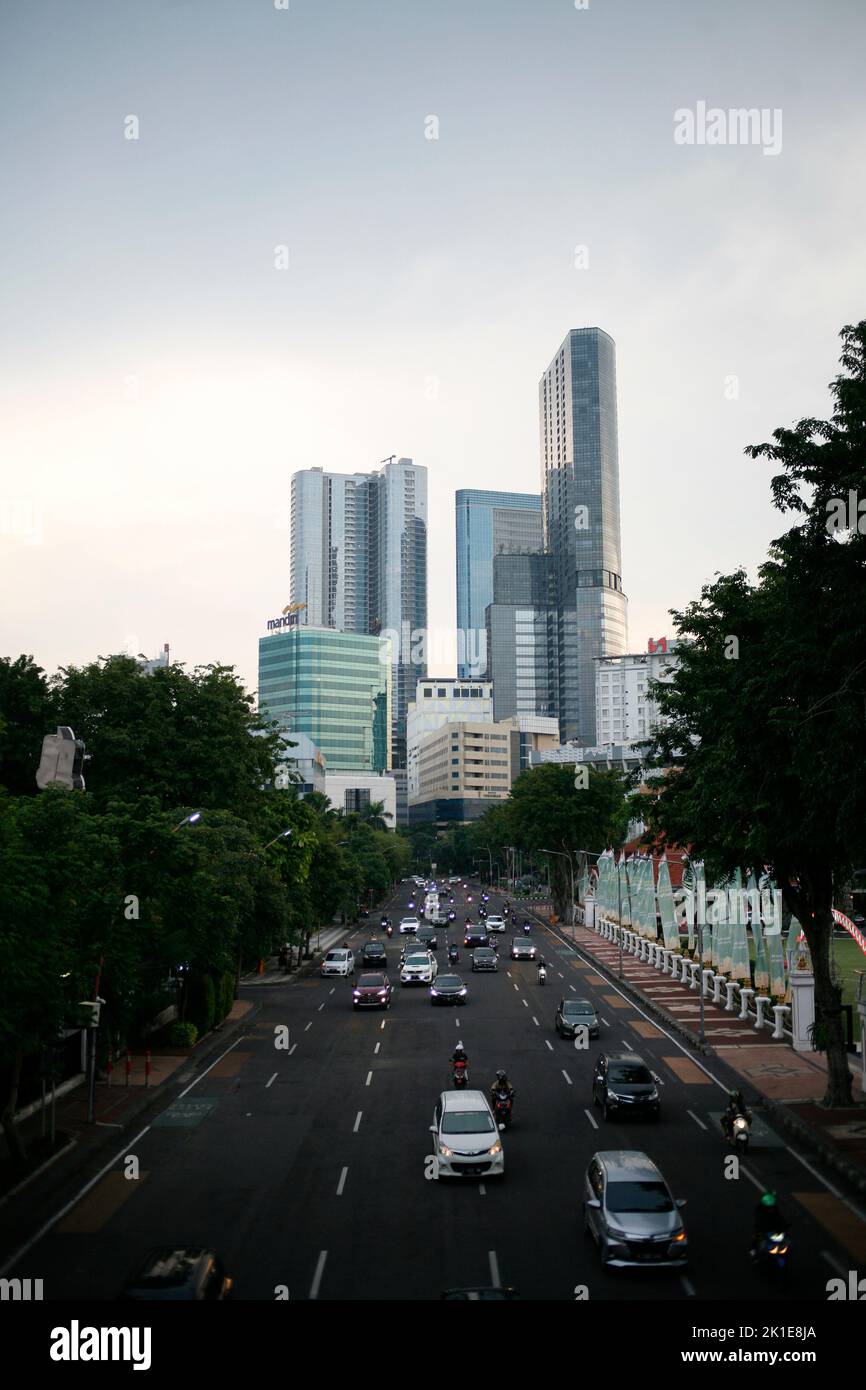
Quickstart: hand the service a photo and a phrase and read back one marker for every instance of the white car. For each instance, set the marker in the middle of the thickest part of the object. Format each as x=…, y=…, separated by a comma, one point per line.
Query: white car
x=339, y=962
x=495, y=924
x=419, y=968
x=408, y=924
x=466, y=1142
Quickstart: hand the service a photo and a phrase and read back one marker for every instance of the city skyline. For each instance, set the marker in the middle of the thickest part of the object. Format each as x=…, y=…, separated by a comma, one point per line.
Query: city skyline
x=280, y=270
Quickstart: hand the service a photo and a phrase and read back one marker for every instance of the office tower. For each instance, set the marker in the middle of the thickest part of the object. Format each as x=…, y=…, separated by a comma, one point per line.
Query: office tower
x=626, y=711
x=580, y=508
x=488, y=524
x=359, y=564
x=335, y=687
x=521, y=637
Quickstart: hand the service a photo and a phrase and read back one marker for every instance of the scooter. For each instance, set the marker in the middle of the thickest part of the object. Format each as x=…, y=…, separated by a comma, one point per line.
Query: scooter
x=502, y=1103
x=453, y=955
x=737, y=1132
x=542, y=974
x=772, y=1252
x=526, y=929
x=389, y=930
x=460, y=1074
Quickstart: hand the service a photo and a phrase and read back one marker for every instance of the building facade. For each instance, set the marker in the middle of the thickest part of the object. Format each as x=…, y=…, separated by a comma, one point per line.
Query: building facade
x=439, y=702
x=335, y=687
x=353, y=791
x=359, y=565
x=580, y=509
x=463, y=768
x=625, y=711
x=488, y=524
x=521, y=637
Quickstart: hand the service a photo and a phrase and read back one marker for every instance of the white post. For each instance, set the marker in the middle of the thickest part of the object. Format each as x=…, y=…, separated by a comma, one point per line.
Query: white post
x=694, y=967
x=729, y=991
x=802, y=1009
x=718, y=981
x=761, y=1001
x=779, y=1011
x=745, y=995
x=706, y=975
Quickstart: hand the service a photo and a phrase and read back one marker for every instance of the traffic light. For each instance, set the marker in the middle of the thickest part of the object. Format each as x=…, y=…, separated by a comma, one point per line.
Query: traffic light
x=62, y=761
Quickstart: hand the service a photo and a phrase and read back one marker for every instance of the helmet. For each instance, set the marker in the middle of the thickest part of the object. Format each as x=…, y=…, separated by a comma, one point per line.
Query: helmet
x=459, y=1047
x=734, y=1093
x=500, y=1075
x=768, y=1199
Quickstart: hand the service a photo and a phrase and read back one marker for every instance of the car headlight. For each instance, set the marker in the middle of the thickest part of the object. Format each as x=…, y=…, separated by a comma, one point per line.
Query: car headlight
x=462, y=991
x=679, y=1238
x=612, y=1095
x=497, y=1149
x=653, y=1095
x=445, y=1151
x=383, y=994
x=357, y=993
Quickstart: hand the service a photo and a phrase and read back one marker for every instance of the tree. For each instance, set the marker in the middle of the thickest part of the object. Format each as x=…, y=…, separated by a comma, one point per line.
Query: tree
x=27, y=714
x=764, y=716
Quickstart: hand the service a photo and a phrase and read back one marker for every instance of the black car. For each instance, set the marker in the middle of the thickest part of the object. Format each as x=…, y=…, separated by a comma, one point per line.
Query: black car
x=484, y=958
x=374, y=953
x=448, y=989
x=623, y=1084
x=428, y=938
x=476, y=936
x=572, y=1014
x=179, y=1272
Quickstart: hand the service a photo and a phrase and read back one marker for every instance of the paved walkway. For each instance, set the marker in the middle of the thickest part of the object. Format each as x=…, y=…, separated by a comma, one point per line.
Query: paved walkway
x=773, y=1071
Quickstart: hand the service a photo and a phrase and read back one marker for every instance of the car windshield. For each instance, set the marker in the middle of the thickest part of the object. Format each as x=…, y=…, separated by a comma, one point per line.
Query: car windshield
x=371, y=982
x=336, y=955
x=484, y=953
x=449, y=982
x=630, y=1074
x=416, y=960
x=467, y=1122
x=638, y=1196
x=575, y=1007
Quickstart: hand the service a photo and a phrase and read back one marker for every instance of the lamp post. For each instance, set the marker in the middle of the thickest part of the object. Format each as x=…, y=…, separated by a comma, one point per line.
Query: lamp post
x=490, y=857
x=191, y=819
x=563, y=855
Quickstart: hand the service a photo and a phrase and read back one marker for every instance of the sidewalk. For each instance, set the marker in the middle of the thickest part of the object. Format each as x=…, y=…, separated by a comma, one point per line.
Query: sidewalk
x=788, y=1084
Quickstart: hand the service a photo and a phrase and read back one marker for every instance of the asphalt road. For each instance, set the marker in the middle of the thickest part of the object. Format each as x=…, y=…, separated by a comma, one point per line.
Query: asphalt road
x=305, y=1167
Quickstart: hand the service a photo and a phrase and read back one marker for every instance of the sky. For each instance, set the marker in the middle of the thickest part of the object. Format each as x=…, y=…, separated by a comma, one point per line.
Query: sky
x=285, y=270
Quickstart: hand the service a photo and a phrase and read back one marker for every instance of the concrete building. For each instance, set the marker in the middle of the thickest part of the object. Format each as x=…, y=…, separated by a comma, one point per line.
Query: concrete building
x=625, y=711
x=625, y=757
x=351, y=791
x=308, y=762
x=580, y=506
x=335, y=687
x=467, y=766
x=487, y=524
x=521, y=637
x=438, y=702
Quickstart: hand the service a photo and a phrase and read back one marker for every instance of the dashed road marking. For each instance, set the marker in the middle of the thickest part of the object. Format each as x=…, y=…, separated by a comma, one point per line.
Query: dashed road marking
x=549, y=1043
x=524, y=1003
x=273, y=1078
x=292, y=1048
x=494, y=1269
x=321, y=1006
x=592, y=1120
x=308, y=1027
x=696, y=1119
x=317, y=1277
x=535, y=1021
x=342, y=1183
x=357, y=1125
x=369, y=1078
x=376, y=1049
x=567, y=1077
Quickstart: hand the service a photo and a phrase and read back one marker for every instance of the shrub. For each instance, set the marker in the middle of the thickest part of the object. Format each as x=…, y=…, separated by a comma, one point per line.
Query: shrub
x=182, y=1035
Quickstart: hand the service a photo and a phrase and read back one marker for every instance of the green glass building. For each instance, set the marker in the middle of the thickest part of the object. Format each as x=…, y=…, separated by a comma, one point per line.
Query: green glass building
x=335, y=687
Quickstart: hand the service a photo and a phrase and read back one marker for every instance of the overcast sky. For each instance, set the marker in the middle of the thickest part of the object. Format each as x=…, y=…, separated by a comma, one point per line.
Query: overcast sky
x=162, y=378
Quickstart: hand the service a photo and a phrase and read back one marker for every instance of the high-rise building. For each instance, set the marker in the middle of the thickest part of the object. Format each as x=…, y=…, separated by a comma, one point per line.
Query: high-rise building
x=488, y=524
x=625, y=710
x=335, y=687
x=359, y=564
x=521, y=637
x=580, y=508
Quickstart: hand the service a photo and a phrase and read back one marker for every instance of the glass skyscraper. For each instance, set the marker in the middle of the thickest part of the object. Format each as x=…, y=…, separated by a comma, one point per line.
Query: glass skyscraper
x=359, y=565
x=488, y=524
x=580, y=505
x=335, y=687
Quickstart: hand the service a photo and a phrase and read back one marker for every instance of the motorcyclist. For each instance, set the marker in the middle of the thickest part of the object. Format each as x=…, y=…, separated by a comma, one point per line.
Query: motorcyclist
x=768, y=1218
x=453, y=953
x=459, y=1055
x=526, y=926
x=501, y=1083
x=736, y=1106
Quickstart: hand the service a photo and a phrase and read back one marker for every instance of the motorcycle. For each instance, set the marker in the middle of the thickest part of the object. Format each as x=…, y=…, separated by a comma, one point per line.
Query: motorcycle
x=772, y=1252
x=453, y=955
x=526, y=928
x=389, y=930
x=737, y=1131
x=452, y=916
x=542, y=974
x=502, y=1104
x=460, y=1074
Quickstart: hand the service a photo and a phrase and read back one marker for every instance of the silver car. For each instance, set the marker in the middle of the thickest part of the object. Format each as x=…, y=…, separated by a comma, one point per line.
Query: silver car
x=629, y=1211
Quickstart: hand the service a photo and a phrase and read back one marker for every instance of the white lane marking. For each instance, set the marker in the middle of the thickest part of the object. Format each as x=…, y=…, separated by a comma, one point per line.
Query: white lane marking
x=482, y=1190
x=592, y=1120
x=13, y=1259
x=834, y=1264
x=751, y=1177
x=516, y=986
x=317, y=1277
x=508, y=973
x=627, y=1044
x=333, y=991
x=292, y=1048
x=369, y=1078
x=382, y=1025
x=688, y=1286
x=567, y=1077
x=457, y=1023
x=604, y=1021
x=858, y=1211
x=535, y=1021
x=357, y=1124
x=204, y=1073
x=273, y=1079
x=560, y=974
x=376, y=1049
x=549, y=1043
x=308, y=1027
x=494, y=1268
x=321, y=1006
x=524, y=1003
x=696, y=1120
x=342, y=1183
x=571, y=987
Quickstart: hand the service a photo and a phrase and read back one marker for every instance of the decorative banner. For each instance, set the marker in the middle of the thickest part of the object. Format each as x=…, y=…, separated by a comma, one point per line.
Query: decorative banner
x=717, y=913
x=666, y=907
x=762, y=968
x=647, y=898
x=740, y=964
x=625, y=888
x=690, y=885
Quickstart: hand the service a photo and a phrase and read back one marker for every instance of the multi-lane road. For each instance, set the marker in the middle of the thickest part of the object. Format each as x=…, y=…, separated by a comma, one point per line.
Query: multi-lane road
x=304, y=1166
